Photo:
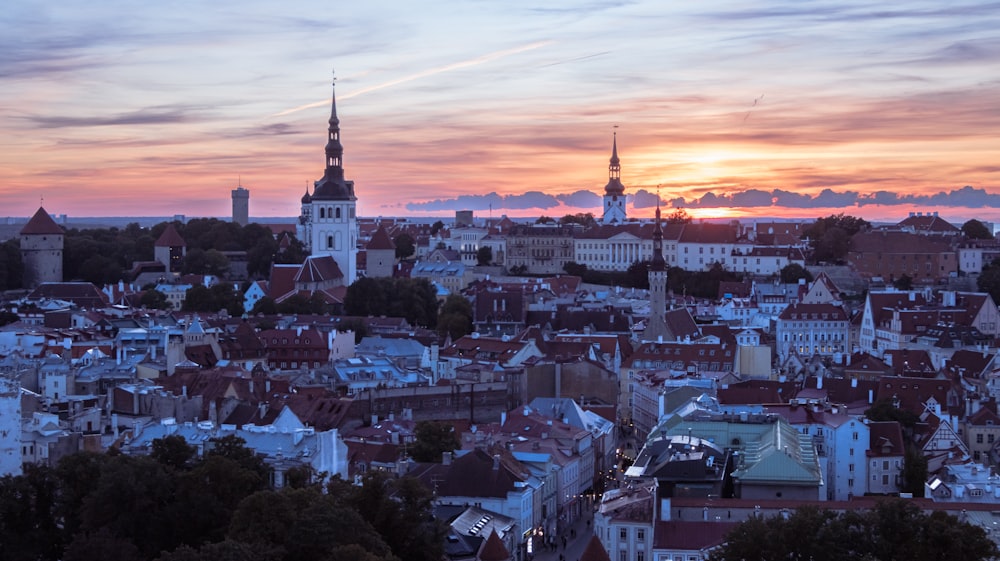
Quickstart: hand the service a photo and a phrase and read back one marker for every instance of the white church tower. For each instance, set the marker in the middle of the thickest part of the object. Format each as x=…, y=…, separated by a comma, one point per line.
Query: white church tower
x=329, y=223
x=614, y=191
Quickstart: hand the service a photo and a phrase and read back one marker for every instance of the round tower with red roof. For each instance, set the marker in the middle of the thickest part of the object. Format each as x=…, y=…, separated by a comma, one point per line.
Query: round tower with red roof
x=42, y=250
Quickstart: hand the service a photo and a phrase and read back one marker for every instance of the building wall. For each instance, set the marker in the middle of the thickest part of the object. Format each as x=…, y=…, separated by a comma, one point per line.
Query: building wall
x=334, y=232
x=10, y=427
x=43, y=258
x=241, y=206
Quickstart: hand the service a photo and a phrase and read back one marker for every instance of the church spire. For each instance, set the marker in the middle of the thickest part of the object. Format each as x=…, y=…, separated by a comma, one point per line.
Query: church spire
x=334, y=149
x=657, y=263
x=614, y=167
x=333, y=186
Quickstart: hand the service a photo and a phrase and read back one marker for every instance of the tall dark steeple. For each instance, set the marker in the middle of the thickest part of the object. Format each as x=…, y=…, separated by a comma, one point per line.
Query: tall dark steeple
x=333, y=187
x=657, y=263
x=656, y=325
x=614, y=186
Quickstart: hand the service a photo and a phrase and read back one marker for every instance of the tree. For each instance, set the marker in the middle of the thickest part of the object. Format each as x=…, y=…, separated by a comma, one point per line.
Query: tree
x=265, y=306
x=792, y=272
x=412, y=299
x=914, y=473
x=11, y=266
x=989, y=280
x=405, y=245
x=572, y=268
x=830, y=237
x=884, y=410
x=432, y=439
x=976, y=230
x=223, y=295
x=173, y=451
x=904, y=282
x=436, y=227
x=205, y=262
x=638, y=274
x=29, y=528
x=544, y=220
x=455, y=319
x=679, y=216
x=400, y=511
x=584, y=219
x=484, y=255
x=893, y=529
x=153, y=299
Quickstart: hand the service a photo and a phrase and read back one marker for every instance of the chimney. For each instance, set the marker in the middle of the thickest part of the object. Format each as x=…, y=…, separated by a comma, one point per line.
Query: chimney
x=374, y=420
x=496, y=462
x=854, y=382
x=446, y=458
x=503, y=418
x=819, y=382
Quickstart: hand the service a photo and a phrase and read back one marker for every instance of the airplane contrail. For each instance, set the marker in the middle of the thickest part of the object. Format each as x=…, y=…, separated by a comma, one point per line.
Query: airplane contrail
x=423, y=74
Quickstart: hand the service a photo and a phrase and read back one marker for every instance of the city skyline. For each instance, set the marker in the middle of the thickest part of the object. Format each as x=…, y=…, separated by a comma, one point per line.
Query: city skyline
x=791, y=110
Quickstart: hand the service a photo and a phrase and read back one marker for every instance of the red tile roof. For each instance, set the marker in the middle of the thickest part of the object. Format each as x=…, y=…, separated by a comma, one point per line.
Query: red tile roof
x=41, y=223
x=380, y=240
x=493, y=549
x=319, y=268
x=170, y=238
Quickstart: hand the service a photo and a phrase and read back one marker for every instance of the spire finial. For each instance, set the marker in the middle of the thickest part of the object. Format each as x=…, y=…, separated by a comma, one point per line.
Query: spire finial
x=333, y=76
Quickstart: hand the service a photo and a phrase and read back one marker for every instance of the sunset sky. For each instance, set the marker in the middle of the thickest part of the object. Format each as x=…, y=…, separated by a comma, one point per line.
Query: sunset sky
x=783, y=108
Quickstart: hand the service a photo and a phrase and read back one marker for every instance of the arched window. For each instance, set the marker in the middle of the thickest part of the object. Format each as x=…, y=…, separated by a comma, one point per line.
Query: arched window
x=338, y=213
x=329, y=242
x=322, y=212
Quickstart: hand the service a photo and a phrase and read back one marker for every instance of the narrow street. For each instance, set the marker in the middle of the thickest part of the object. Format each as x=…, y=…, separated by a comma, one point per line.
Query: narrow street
x=583, y=529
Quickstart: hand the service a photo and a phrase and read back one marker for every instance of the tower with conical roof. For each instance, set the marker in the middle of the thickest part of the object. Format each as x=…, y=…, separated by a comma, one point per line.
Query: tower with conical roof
x=42, y=250
x=614, y=191
x=656, y=325
x=329, y=220
x=170, y=249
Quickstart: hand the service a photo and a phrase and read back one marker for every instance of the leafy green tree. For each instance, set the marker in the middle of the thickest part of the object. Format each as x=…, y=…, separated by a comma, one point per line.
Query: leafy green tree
x=573, y=268
x=265, y=306
x=400, y=511
x=914, y=473
x=205, y=262
x=222, y=295
x=638, y=274
x=28, y=516
x=405, y=245
x=436, y=227
x=101, y=544
x=904, y=282
x=893, y=529
x=432, y=439
x=544, y=220
x=7, y=317
x=830, y=237
x=357, y=325
x=173, y=452
x=227, y=550
x=412, y=299
x=678, y=216
x=976, y=230
x=100, y=270
x=884, y=410
x=792, y=272
x=585, y=219
x=455, y=319
x=11, y=266
x=484, y=255
x=153, y=299
x=989, y=280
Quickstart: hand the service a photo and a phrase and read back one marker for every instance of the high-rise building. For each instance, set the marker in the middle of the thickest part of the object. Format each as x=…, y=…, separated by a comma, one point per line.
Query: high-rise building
x=614, y=191
x=329, y=224
x=241, y=205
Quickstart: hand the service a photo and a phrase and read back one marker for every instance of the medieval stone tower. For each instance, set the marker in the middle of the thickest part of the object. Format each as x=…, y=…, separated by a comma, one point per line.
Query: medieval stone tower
x=42, y=250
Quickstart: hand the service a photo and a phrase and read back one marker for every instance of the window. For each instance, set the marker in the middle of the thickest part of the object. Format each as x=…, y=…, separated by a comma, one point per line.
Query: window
x=640, y=534
x=623, y=534
x=850, y=468
x=885, y=479
x=885, y=464
x=623, y=555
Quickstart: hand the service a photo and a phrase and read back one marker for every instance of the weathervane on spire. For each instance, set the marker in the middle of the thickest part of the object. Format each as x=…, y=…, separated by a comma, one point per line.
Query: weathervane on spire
x=333, y=76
